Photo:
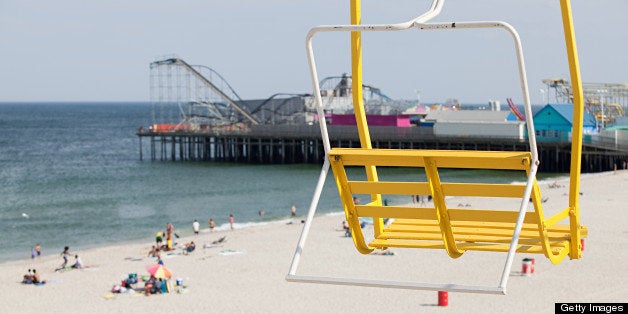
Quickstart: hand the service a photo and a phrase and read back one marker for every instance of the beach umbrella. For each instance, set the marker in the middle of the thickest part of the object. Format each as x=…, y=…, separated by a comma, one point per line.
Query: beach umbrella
x=159, y=271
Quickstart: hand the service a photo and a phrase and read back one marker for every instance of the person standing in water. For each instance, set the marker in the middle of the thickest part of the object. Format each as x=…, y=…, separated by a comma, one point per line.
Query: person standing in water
x=231, y=221
x=212, y=224
x=38, y=249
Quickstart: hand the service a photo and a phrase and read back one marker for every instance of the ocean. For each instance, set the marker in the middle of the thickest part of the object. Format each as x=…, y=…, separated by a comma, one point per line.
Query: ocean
x=71, y=176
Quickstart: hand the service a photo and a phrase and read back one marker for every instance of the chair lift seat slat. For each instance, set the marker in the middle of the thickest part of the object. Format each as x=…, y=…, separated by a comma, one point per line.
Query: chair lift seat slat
x=528, y=232
x=455, y=214
x=463, y=238
x=422, y=188
x=445, y=159
x=468, y=246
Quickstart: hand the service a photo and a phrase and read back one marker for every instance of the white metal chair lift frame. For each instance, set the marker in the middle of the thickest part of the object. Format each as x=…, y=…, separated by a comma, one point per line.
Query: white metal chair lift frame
x=418, y=23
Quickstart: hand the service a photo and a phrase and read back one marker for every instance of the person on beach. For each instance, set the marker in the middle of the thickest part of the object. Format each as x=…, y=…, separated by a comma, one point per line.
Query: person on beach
x=231, y=221
x=65, y=254
x=221, y=240
x=36, y=278
x=78, y=264
x=189, y=248
x=346, y=229
x=293, y=210
x=149, y=285
x=158, y=285
x=212, y=224
x=196, y=226
x=153, y=252
x=157, y=256
x=28, y=278
x=159, y=238
x=38, y=249
x=169, y=231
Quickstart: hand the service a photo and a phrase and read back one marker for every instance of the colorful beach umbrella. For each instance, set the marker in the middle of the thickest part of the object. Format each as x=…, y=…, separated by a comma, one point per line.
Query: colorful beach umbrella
x=159, y=271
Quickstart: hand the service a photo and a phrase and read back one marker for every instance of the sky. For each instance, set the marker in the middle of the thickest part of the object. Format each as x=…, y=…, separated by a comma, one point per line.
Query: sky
x=77, y=50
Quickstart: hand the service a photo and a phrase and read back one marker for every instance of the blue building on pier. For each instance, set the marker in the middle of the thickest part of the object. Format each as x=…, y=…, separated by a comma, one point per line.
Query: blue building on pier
x=554, y=122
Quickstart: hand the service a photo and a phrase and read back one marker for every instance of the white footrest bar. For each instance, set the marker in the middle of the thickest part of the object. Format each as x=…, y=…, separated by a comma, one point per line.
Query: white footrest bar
x=397, y=284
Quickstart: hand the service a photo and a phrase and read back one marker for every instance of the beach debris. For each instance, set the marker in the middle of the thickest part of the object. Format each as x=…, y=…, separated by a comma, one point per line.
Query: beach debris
x=383, y=253
x=231, y=252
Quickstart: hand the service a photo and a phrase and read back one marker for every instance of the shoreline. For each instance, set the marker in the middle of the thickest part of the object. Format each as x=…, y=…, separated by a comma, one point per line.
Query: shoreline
x=225, y=226
x=247, y=273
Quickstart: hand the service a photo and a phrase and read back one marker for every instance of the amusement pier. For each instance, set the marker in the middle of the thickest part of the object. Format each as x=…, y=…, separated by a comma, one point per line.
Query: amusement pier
x=198, y=116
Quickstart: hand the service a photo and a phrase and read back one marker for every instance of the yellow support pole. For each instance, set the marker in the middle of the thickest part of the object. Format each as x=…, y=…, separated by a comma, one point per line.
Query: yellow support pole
x=576, y=133
x=441, y=208
x=358, y=104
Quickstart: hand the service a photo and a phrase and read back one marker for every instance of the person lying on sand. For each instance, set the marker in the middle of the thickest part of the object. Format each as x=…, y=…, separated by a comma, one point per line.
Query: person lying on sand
x=189, y=248
x=221, y=240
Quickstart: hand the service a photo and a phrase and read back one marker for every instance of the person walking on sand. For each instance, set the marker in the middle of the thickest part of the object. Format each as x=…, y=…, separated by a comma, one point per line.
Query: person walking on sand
x=293, y=210
x=195, y=226
x=231, y=221
x=65, y=254
x=212, y=224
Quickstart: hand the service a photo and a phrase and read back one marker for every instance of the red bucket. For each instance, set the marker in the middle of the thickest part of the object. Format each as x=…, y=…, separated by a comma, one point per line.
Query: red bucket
x=443, y=298
x=527, y=267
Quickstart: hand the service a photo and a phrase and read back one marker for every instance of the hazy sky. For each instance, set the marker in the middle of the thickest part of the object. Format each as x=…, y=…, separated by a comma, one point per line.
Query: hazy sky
x=77, y=50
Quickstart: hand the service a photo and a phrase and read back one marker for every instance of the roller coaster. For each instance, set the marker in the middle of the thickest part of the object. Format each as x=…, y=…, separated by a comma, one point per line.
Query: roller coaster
x=197, y=98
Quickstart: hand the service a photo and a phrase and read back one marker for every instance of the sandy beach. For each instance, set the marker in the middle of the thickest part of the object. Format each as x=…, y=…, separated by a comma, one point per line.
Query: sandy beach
x=247, y=273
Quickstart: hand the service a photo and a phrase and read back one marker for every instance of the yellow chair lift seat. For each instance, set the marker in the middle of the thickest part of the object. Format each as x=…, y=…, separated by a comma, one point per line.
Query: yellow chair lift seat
x=455, y=230
x=471, y=229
